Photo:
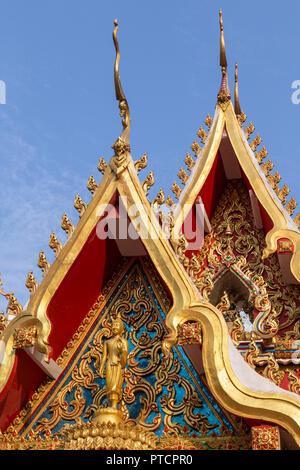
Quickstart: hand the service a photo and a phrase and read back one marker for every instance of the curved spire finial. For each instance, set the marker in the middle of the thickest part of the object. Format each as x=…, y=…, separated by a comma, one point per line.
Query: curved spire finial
x=237, y=108
x=120, y=96
x=224, y=93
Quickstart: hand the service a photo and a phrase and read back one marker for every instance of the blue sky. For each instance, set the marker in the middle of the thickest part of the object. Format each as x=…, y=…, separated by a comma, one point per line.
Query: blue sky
x=60, y=116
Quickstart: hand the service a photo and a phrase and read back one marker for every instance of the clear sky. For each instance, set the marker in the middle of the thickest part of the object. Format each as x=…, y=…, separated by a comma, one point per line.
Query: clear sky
x=60, y=116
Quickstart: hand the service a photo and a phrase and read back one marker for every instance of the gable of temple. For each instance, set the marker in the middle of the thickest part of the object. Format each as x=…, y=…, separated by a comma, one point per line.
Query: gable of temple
x=207, y=291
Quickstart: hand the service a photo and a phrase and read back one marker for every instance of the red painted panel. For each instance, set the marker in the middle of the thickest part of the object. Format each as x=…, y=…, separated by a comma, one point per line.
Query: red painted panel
x=213, y=186
x=80, y=289
x=24, y=379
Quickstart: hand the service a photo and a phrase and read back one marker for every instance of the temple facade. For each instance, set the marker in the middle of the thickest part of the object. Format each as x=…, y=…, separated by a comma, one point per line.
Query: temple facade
x=164, y=324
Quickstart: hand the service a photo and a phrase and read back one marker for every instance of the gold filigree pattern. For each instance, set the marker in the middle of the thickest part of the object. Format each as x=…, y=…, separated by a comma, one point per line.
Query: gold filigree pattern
x=208, y=121
x=43, y=264
x=148, y=183
x=25, y=337
x=202, y=135
x=54, y=244
x=265, y=438
x=141, y=163
x=176, y=190
x=67, y=225
x=102, y=165
x=92, y=185
x=189, y=161
x=80, y=205
x=196, y=148
x=182, y=175
x=31, y=283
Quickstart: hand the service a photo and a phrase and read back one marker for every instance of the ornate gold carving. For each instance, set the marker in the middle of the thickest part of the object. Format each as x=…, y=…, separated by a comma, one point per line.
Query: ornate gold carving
x=261, y=155
x=237, y=331
x=182, y=175
x=160, y=199
x=3, y=322
x=265, y=437
x=92, y=185
x=224, y=304
x=102, y=165
x=31, y=283
x=294, y=382
x=285, y=246
x=80, y=205
x=202, y=135
x=267, y=167
x=208, y=121
x=291, y=206
x=54, y=244
x=249, y=130
x=122, y=144
x=272, y=371
x=189, y=161
x=24, y=337
x=66, y=225
x=241, y=118
x=149, y=181
x=297, y=220
x=255, y=142
x=110, y=436
x=176, y=190
x=170, y=202
x=196, y=148
x=189, y=333
x=43, y=264
x=253, y=355
x=13, y=307
x=284, y=191
x=141, y=163
x=274, y=180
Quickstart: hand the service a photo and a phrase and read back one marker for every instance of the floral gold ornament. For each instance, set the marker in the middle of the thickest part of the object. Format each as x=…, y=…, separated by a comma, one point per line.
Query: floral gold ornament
x=255, y=143
x=169, y=202
x=67, y=225
x=261, y=155
x=283, y=193
x=274, y=180
x=102, y=165
x=176, y=190
x=291, y=206
x=249, y=130
x=208, y=121
x=189, y=333
x=31, y=283
x=80, y=205
x=92, y=185
x=265, y=437
x=267, y=167
x=159, y=199
x=43, y=264
x=189, y=162
x=149, y=181
x=182, y=175
x=24, y=337
x=141, y=163
x=196, y=148
x=54, y=244
x=202, y=135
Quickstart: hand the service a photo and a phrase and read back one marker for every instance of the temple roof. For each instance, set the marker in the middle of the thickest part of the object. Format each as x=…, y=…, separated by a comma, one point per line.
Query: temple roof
x=85, y=263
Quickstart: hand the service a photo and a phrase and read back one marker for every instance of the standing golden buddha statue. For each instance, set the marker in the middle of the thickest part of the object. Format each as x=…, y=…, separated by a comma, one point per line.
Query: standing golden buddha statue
x=112, y=368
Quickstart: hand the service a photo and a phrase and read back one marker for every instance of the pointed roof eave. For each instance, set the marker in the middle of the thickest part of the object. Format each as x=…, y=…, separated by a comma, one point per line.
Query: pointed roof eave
x=283, y=225
x=201, y=169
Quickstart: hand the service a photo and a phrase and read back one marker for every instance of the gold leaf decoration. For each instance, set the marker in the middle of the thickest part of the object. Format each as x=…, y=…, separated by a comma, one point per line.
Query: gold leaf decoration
x=255, y=142
x=284, y=191
x=149, y=181
x=291, y=206
x=66, y=225
x=202, y=134
x=267, y=167
x=92, y=185
x=170, y=202
x=54, y=244
x=141, y=163
x=189, y=162
x=249, y=130
x=80, y=205
x=183, y=175
x=274, y=179
x=241, y=118
x=261, y=155
x=208, y=121
x=176, y=190
x=196, y=148
x=102, y=165
x=43, y=263
x=31, y=283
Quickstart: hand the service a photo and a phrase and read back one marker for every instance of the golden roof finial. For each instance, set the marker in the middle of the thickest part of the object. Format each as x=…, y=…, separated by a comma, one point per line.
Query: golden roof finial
x=120, y=96
x=237, y=108
x=224, y=93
